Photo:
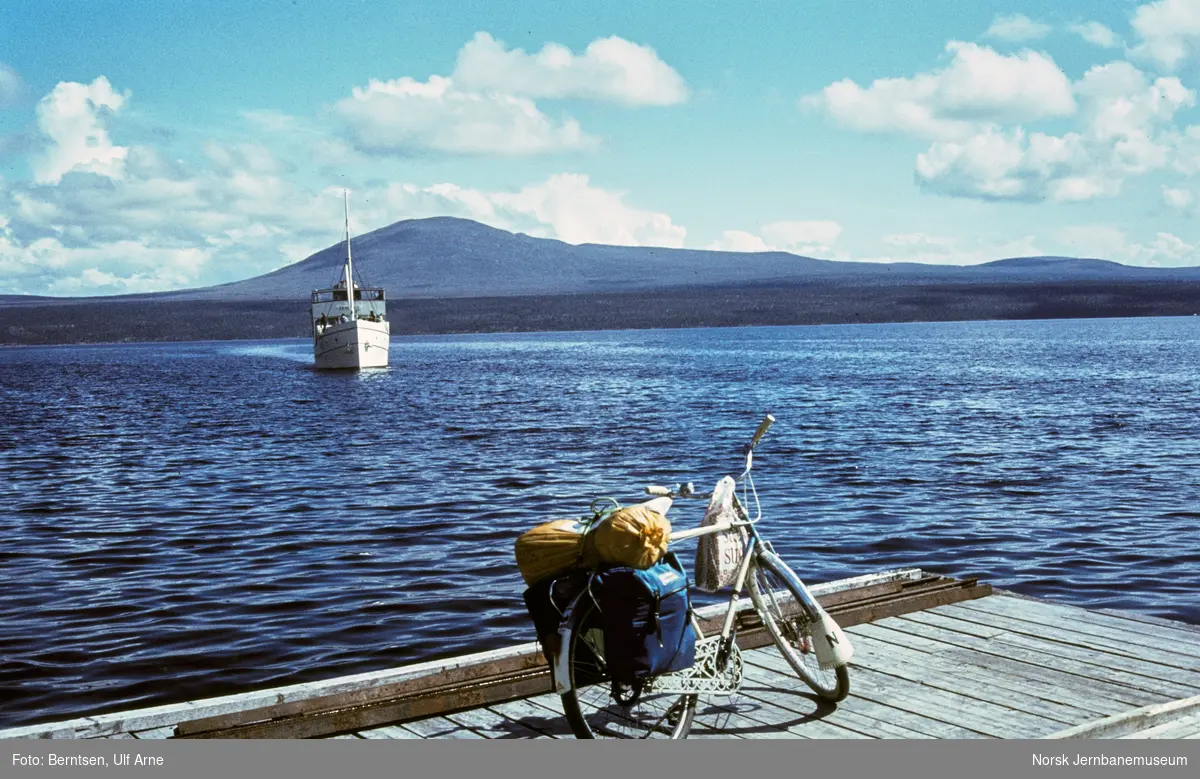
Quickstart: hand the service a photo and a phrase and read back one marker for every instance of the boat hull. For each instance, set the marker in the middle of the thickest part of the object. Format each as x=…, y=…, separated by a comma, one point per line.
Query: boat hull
x=357, y=344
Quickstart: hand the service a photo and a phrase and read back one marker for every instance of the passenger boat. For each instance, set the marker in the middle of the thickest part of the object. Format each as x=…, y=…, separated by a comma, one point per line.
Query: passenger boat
x=349, y=321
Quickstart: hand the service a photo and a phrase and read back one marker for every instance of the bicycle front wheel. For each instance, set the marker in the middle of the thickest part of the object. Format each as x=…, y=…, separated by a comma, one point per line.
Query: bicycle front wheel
x=777, y=599
x=596, y=709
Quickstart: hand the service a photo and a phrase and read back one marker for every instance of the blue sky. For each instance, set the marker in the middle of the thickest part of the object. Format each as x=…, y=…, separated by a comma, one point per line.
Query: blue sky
x=150, y=145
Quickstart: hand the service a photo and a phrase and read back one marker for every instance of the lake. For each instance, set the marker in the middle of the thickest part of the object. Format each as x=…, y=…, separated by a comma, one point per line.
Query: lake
x=190, y=519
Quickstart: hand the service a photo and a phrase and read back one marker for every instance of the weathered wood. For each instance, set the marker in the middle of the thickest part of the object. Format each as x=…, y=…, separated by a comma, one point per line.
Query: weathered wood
x=1132, y=721
x=155, y=733
x=491, y=724
x=544, y=720
x=425, y=679
x=440, y=727
x=1185, y=727
x=852, y=614
x=413, y=698
x=935, y=671
x=773, y=688
x=388, y=732
x=1162, y=622
x=1123, y=643
x=1101, y=697
x=1144, y=676
x=420, y=704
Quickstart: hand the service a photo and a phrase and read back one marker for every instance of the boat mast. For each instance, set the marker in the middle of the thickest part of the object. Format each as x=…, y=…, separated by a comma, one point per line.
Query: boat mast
x=349, y=261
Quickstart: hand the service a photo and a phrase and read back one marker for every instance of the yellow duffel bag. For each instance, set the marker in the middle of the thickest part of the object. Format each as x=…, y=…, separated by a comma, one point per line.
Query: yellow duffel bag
x=554, y=548
x=635, y=536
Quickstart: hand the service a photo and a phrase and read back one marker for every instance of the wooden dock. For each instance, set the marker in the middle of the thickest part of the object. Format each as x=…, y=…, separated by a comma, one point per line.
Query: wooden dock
x=935, y=658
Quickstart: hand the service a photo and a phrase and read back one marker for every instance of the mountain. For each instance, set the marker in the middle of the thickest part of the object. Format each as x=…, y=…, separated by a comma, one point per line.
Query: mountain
x=446, y=275
x=445, y=257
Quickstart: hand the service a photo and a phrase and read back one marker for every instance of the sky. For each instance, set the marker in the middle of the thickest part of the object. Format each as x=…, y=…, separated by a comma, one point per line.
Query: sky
x=153, y=145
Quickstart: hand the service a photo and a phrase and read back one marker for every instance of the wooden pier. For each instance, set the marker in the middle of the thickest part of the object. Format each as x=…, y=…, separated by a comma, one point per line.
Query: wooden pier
x=934, y=658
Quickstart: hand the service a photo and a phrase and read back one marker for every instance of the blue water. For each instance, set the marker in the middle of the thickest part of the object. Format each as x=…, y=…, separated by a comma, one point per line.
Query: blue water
x=186, y=520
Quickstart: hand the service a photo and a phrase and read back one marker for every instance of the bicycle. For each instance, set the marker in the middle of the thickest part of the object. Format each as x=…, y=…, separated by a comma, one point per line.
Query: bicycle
x=665, y=706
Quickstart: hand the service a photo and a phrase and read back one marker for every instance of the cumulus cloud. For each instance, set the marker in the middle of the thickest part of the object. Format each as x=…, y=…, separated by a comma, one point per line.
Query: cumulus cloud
x=1123, y=114
x=1017, y=28
x=72, y=119
x=808, y=238
x=610, y=69
x=1164, y=250
x=1168, y=31
x=1176, y=198
x=134, y=219
x=978, y=86
x=578, y=212
x=1096, y=34
x=486, y=106
x=740, y=241
x=12, y=89
x=942, y=250
x=404, y=115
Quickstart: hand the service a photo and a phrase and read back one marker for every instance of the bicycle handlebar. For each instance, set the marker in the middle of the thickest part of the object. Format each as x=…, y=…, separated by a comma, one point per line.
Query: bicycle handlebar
x=763, y=427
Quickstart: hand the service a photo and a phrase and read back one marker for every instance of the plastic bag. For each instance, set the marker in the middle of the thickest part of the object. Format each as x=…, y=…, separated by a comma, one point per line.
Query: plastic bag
x=719, y=555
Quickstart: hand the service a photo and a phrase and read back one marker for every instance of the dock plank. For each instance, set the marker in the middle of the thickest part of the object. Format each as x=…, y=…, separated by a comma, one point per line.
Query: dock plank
x=936, y=671
x=776, y=688
x=155, y=733
x=440, y=727
x=1180, y=728
x=1091, y=697
x=388, y=732
x=1102, y=697
x=492, y=724
x=983, y=717
x=1102, y=638
x=1140, y=675
x=1125, y=626
x=1150, y=619
x=539, y=718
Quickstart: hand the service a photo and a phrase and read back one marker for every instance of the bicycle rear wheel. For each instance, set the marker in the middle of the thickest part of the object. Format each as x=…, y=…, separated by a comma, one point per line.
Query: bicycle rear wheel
x=777, y=599
x=590, y=705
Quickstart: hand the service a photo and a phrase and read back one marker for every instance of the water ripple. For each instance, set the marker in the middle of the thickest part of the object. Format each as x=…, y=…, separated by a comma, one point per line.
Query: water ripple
x=186, y=520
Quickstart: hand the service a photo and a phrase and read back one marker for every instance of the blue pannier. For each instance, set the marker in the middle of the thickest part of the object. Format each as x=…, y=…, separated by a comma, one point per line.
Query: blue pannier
x=646, y=616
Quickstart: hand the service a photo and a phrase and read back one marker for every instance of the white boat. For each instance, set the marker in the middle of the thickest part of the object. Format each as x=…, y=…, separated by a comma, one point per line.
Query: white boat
x=350, y=330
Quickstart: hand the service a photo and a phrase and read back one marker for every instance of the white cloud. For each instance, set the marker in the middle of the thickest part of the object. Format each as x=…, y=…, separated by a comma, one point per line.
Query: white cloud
x=1117, y=99
x=1103, y=241
x=611, y=69
x=978, y=86
x=1124, y=115
x=271, y=120
x=1096, y=34
x=404, y=115
x=577, y=213
x=72, y=119
x=1169, y=31
x=1017, y=28
x=1176, y=198
x=11, y=86
x=740, y=241
x=942, y=250
x=807, y=238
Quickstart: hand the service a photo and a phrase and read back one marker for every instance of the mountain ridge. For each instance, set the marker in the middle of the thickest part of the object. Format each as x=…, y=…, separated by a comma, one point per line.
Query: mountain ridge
x=451, y=257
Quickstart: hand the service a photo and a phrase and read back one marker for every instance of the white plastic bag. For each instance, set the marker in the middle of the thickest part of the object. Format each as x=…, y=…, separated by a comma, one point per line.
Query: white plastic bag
x=719, y=555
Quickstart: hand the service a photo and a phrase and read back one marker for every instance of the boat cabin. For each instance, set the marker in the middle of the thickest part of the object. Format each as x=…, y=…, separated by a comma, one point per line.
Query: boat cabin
x=330, y=305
